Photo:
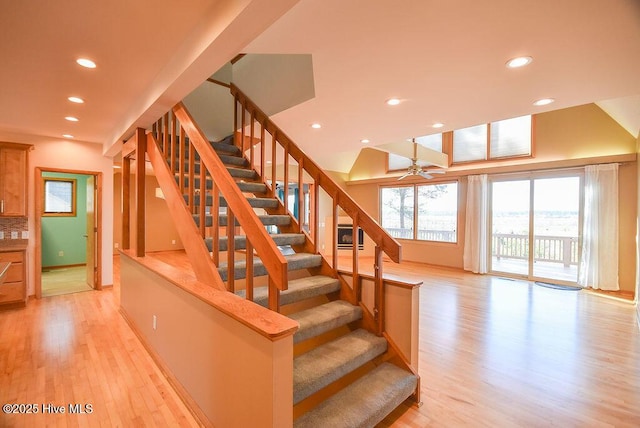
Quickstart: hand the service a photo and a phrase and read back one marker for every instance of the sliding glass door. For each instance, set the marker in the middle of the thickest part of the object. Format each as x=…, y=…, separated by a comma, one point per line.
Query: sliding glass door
x=556, y=226
x=535, y=224
x=510, y=207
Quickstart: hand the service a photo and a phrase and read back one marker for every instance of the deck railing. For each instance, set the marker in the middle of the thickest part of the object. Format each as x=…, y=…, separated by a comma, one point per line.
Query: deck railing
x=555, y=249
x=423, y=234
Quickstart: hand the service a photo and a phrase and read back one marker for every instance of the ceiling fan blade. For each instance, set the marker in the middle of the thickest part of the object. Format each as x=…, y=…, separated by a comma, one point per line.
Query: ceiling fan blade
x=402, y=148
x=404, y=176
x=425, y=175
x=435, y=171
x=406, y=149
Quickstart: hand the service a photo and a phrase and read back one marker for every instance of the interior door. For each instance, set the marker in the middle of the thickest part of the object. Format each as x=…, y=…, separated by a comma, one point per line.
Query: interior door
x=91, y=232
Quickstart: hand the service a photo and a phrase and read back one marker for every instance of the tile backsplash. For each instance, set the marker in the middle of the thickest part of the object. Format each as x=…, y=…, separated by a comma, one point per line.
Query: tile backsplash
x=17, y=225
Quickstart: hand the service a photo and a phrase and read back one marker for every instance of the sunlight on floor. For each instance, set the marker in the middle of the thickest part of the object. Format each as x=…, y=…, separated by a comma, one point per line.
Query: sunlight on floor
x=64, y=281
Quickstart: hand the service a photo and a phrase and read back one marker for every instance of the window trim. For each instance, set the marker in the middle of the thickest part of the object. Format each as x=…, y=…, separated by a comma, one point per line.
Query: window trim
x=73, y=211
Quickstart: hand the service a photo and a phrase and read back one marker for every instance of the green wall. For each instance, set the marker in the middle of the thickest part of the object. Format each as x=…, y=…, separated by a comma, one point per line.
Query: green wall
x=66, y=234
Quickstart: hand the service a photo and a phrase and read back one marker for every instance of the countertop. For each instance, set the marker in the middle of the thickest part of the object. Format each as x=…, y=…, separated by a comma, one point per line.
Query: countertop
x=13, y=244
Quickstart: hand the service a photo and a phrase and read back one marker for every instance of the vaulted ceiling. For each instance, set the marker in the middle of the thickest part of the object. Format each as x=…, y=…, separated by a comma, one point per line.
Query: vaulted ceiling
x=445, y=60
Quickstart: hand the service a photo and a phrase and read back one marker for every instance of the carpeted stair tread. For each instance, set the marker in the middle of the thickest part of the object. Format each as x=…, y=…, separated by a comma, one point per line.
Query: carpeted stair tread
x=228, y=161
x=245, y=186
x=364, y=403
x=329, y=362
x=320, y=319
x=280, y=239
x=298, y=290
x=294, y=262
x=242, y=173
x=233, y=160
x=267, y=220
x=248, y=187
x=253, y=201
x=257, y=202
x=226, y=148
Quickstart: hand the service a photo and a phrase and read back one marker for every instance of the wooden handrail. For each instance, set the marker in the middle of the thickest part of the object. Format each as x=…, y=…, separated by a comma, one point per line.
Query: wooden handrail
x=384, y=240
x=273, y=260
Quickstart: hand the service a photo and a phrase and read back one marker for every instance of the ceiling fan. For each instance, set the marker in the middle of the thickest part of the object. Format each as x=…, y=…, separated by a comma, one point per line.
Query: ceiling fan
x=415, y=169
x=417, y=153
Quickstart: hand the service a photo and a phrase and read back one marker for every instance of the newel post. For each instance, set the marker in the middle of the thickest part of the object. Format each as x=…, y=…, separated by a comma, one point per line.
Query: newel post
x=141, y=150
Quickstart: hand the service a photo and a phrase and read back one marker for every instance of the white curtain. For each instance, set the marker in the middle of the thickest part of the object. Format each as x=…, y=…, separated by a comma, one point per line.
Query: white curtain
x=475, y=242
x=599, y=261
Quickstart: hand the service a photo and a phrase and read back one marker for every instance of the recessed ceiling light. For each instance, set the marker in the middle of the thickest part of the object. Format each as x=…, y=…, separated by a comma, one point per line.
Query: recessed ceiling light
x=393, y=101
x=71, y=118
x=316, y=126
x=67, y=135
x=437, y=125
x=519, y=61
x=365, y=141
x=543, y=102
x=117, y=167
x=76, y=100
x=86, y=63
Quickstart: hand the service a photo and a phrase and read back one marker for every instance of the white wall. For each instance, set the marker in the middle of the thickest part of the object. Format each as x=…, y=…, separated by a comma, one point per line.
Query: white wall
x=71, y=155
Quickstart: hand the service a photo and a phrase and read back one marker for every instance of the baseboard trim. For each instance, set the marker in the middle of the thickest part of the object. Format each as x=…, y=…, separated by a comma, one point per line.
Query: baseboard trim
x=56, y=267
x=186, y=398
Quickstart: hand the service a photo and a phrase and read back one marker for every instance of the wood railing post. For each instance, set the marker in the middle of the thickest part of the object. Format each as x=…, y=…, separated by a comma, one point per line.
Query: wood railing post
x=262, y=150
x=334, y=237
x=249, y=276
x=315, y=215
x=274, y=296
x=301, y=206
x=378, y=310
x=231, y=250
x=273, y=164
x=141, y=150
x=126, y=202
x=355, y=267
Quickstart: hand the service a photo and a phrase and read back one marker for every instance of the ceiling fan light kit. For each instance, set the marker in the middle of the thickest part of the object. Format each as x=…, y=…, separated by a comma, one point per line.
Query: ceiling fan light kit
x=415, y=169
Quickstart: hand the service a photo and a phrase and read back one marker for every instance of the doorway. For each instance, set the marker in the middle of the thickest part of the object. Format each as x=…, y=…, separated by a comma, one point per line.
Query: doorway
x=535, y=227
x=68, y=231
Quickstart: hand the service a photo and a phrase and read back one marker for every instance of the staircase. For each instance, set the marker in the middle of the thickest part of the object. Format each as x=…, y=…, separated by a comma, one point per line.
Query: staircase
x=343, y=374
x=374, y=394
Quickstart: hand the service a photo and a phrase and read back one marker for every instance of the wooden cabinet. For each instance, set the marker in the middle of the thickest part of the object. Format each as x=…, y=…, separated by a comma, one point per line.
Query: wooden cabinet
x=13, y=179
x=14, y=287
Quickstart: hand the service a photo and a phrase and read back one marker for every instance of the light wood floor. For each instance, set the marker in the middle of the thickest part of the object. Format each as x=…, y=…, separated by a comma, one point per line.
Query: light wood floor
x=493, y=352
x=77, y=349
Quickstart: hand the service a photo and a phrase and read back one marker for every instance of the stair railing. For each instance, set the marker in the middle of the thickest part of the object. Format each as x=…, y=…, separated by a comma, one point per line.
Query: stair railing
x=180, y=141
x=254, y=128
